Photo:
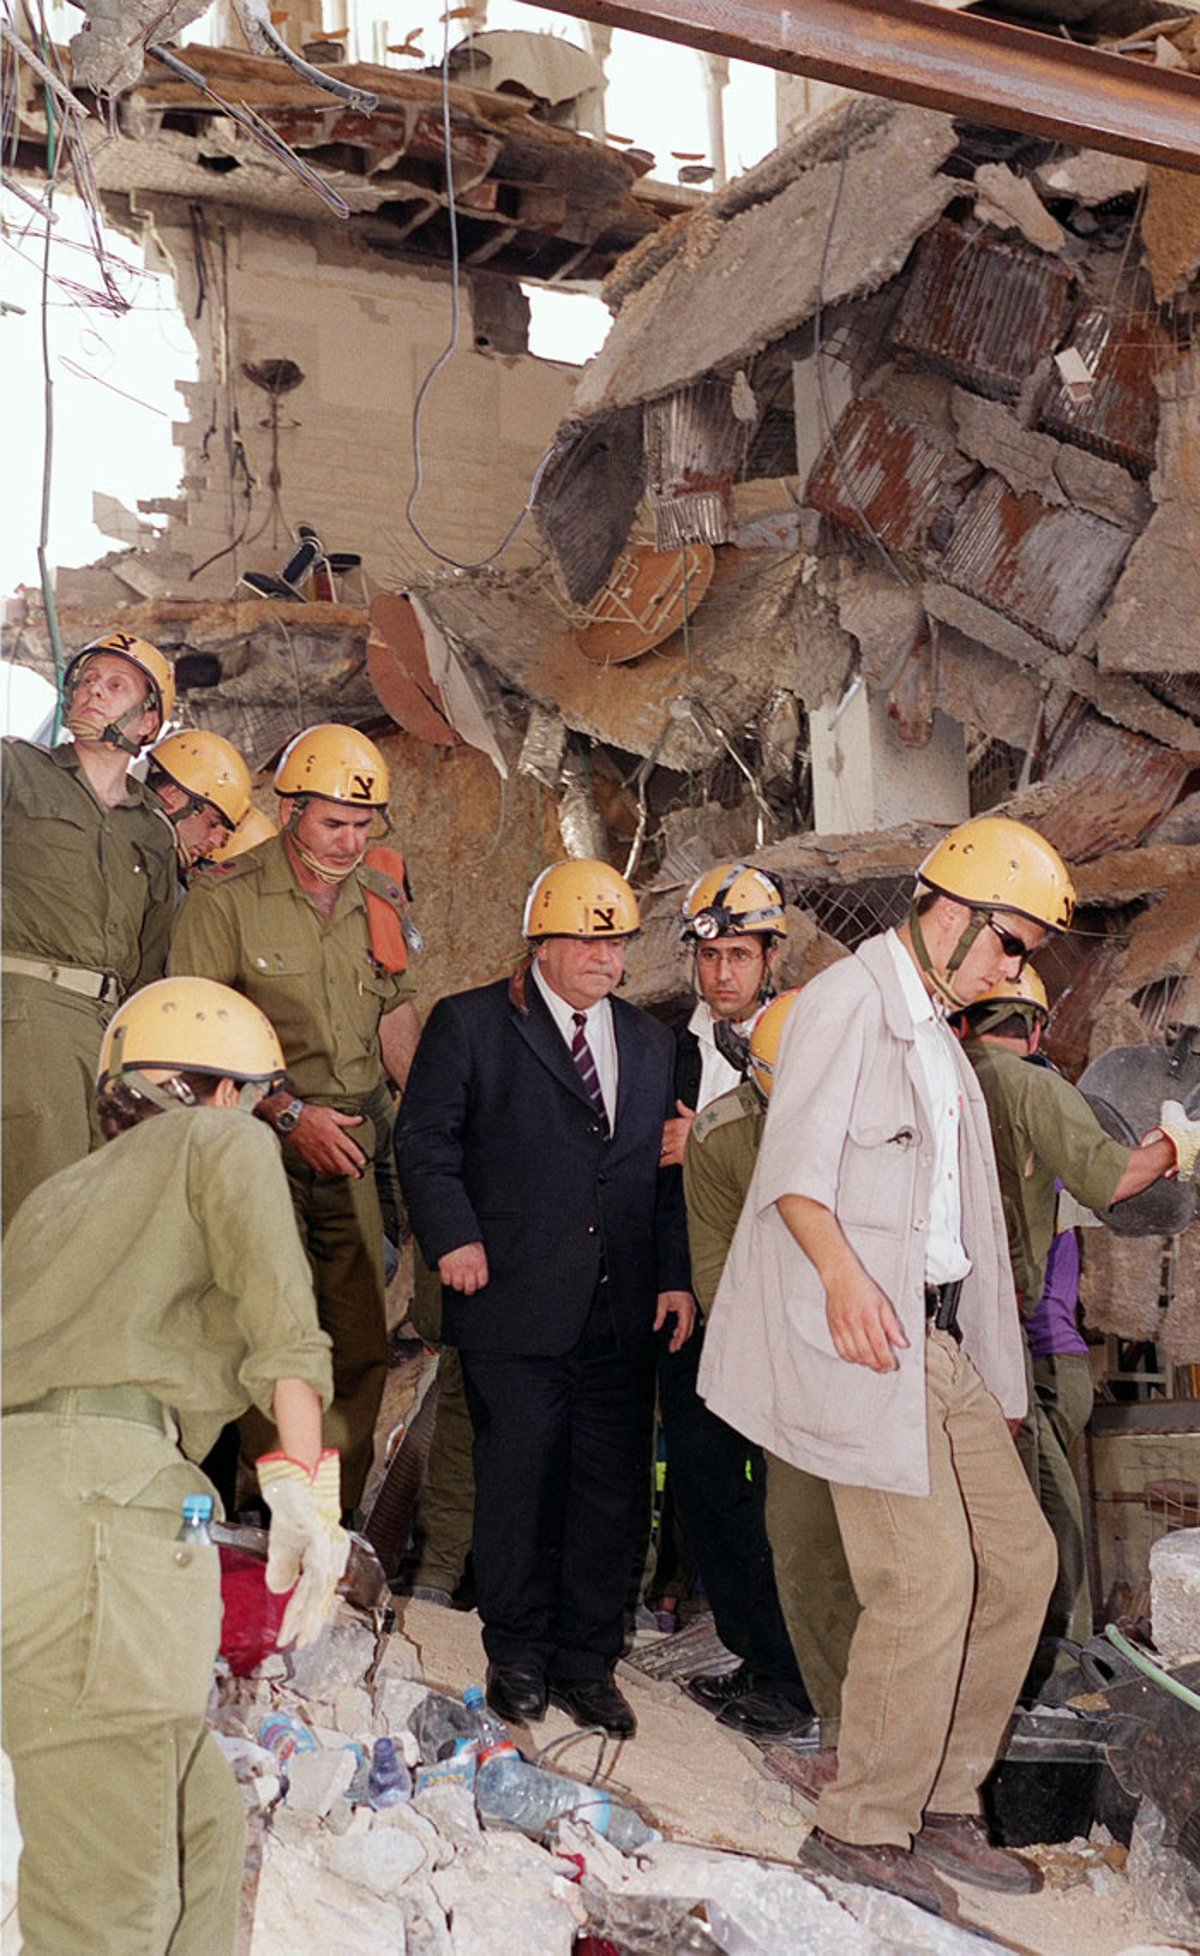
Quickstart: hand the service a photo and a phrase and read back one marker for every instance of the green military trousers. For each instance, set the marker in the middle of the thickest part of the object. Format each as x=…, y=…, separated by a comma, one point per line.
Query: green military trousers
x=133, y=1828
x=51, y=1046
x=816, y=1593
x=445, y=1518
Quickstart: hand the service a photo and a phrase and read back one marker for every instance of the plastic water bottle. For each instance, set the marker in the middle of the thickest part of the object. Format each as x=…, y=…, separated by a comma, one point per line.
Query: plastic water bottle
x=197, y=1513
x=389, y=1782
x=508, y=1789
x=283, y=1736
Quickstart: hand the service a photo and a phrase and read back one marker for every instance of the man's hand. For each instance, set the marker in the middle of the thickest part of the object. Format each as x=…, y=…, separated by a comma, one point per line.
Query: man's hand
x=675, y=1134
x=322, y=1143
x=1183, y=1134
x=464, y=1269
x=681, y=1305
x=863, y=1323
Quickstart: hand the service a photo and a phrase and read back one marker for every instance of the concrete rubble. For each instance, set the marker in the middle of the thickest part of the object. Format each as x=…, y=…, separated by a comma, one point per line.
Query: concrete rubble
x=1175, y=1595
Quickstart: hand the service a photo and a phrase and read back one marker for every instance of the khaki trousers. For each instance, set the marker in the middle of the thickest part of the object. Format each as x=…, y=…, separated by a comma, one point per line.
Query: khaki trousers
x=953, y=1586
x=816, y=1594
x=50, y=1049
x=132, y=1822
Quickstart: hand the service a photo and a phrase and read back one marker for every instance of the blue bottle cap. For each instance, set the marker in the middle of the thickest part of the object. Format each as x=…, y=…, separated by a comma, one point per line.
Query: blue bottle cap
x=197, y=1507
x=473, y=1696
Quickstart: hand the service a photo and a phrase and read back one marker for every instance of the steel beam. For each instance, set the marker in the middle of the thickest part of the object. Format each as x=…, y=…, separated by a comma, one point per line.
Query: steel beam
x=915, y=51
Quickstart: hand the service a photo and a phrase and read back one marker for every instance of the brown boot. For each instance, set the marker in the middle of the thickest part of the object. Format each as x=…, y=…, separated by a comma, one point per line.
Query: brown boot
x=958, y=1844
x=807, y=1773
x=880, y=1865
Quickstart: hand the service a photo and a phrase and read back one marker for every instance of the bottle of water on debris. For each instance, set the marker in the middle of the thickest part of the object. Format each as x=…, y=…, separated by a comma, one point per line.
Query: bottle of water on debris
x=197, y=1513
x=389, y=1782
x=283, y=1736
x=529, y=1798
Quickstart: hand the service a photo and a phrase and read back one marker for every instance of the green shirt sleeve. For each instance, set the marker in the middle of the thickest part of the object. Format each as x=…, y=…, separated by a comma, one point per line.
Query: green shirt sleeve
x=718, y=1164
x=1064, y=1132
x=204, y=940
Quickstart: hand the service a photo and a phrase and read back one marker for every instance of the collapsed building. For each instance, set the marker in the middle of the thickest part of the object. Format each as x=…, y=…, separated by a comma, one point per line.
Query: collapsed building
x=879, y=507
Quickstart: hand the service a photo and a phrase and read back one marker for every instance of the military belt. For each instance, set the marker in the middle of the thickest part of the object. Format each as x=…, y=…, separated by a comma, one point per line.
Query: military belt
x=99, y=985
x=103, y=1402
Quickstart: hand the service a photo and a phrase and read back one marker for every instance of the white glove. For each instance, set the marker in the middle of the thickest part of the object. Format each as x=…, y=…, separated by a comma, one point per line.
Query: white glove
x=1183, y=1134
x=307, y=1546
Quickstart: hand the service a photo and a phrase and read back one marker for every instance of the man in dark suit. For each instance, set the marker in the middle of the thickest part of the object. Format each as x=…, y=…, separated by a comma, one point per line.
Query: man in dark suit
x=529, y=1147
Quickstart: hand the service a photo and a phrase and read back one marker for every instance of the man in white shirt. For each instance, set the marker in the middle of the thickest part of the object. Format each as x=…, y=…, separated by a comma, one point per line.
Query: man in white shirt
x=865, y=1330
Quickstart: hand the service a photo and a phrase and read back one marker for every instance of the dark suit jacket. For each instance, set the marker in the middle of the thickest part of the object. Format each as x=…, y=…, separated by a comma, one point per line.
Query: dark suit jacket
x=497, y=1142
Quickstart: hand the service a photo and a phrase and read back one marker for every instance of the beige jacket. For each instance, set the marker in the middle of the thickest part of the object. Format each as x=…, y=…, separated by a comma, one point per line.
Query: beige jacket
x=849, y=1126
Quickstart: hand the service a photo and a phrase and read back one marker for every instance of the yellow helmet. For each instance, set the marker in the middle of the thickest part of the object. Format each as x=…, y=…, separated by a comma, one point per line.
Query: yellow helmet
x=208, y=768
x=732, y=900
x=254, y=827
x=580, y=898
x=191, y=1025
x=765, y=1035
x=338, y=763
x=1025, y=990
x=994, y=863
x=152, y=663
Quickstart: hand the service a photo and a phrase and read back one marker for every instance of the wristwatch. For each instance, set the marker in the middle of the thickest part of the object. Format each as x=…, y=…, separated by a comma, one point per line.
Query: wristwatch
x=287, y=1120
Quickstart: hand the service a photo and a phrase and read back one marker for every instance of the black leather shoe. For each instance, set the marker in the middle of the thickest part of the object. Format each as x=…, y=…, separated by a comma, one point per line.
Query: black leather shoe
x=767, y=1714
x=594, y=1701
x=516, y=1693
x=716, y=1689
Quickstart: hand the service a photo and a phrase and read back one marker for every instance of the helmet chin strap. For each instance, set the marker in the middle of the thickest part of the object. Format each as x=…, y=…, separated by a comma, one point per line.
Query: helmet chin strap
x=320, y=870
x=113, y=735
x=942, y=982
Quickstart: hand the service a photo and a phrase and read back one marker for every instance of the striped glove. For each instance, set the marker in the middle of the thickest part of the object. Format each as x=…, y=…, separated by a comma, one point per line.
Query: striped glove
x=307, y=1547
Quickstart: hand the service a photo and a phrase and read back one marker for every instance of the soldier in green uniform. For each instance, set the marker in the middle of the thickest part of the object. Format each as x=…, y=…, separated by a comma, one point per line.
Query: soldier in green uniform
x=152, y=1291
x=204, y=785
x=289, y=924
x=1045, y=1133
x=813, y=1583
x=89, y=889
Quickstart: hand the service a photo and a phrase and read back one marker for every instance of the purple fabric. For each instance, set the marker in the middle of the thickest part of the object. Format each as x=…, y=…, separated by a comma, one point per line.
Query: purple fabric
x=1054, y=1326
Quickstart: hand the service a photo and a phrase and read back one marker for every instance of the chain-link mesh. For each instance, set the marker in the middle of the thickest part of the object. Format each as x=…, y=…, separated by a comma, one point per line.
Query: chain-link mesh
x=852, y=912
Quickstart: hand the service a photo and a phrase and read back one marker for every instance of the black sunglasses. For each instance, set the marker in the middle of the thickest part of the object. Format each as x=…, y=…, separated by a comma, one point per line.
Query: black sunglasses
x=1011, y=945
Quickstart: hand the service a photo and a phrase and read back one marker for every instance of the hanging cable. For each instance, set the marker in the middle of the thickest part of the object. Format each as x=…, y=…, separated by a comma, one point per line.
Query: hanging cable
x=447, y=354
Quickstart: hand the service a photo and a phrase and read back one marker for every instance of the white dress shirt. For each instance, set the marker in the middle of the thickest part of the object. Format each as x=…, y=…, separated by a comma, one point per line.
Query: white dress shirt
x=945, y=1257
x=600, y=1037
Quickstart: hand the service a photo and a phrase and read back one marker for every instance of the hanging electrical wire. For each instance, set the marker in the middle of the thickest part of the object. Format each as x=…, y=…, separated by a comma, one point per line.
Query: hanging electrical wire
x=447, y=354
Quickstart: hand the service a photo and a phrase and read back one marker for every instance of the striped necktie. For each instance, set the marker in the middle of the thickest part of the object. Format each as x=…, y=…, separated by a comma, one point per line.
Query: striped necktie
x=584, y=1059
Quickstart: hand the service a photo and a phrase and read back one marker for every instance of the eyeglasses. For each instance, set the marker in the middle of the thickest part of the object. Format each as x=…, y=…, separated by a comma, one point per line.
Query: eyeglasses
x=1011, y=945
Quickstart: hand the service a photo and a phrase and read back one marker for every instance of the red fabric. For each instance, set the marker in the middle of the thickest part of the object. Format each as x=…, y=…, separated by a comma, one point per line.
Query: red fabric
x=252, y=1618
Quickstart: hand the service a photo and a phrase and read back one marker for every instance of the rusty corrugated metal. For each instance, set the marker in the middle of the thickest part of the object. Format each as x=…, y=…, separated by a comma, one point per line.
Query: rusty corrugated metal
x=1122, y=786
x=982, y=309
x=1119, y=418
x=694, y=446
x=1049, y=569
x=881, y=474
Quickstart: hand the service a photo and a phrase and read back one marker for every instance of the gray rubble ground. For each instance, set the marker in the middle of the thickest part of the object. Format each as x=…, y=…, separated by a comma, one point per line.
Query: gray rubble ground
x=1175, y=1595
x=426, y=1879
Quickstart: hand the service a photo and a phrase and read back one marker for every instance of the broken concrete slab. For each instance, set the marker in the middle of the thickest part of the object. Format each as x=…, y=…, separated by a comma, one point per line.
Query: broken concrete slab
x=1150, y=621
x=1057, y=472
x=1171, y=231
x=1005, y=199
x=1175, y=1595
x=731, y=287
x=495, y=1899
x=1092, y=177
x=340, y=1657
x=304, y=1907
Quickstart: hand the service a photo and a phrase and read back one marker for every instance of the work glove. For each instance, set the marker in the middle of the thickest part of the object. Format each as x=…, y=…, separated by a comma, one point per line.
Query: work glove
x=307, y=1546
x=1176, y=1126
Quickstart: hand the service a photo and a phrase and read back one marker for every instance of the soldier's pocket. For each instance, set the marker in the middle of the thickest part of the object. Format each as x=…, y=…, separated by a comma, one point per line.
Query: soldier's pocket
x=152, y=1626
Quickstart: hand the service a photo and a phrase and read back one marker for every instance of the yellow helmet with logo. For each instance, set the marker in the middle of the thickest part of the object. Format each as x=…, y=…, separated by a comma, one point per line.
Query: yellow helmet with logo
x=580, y=898
x=149, y=661
x=732, y=900
x=338, y=763
x=994, y=863
x=208, y=768
x=765, y=1035
x=254, y=827
x=191, y=1025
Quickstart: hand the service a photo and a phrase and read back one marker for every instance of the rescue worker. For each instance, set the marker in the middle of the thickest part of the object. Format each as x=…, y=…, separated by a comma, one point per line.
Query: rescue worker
x=151, y=1292
x=733, y=922
x=865, y=1329
x=801, y=1546
x=254, y=827
x=311, y=932
x=204, y=785
x=1046, y=1134
x=88, y=894
x=528, y=1145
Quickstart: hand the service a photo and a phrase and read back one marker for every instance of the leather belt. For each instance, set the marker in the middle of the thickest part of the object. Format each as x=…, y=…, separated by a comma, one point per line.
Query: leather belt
x=99, y=985
x=104, y=1402
x=941, y=1307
